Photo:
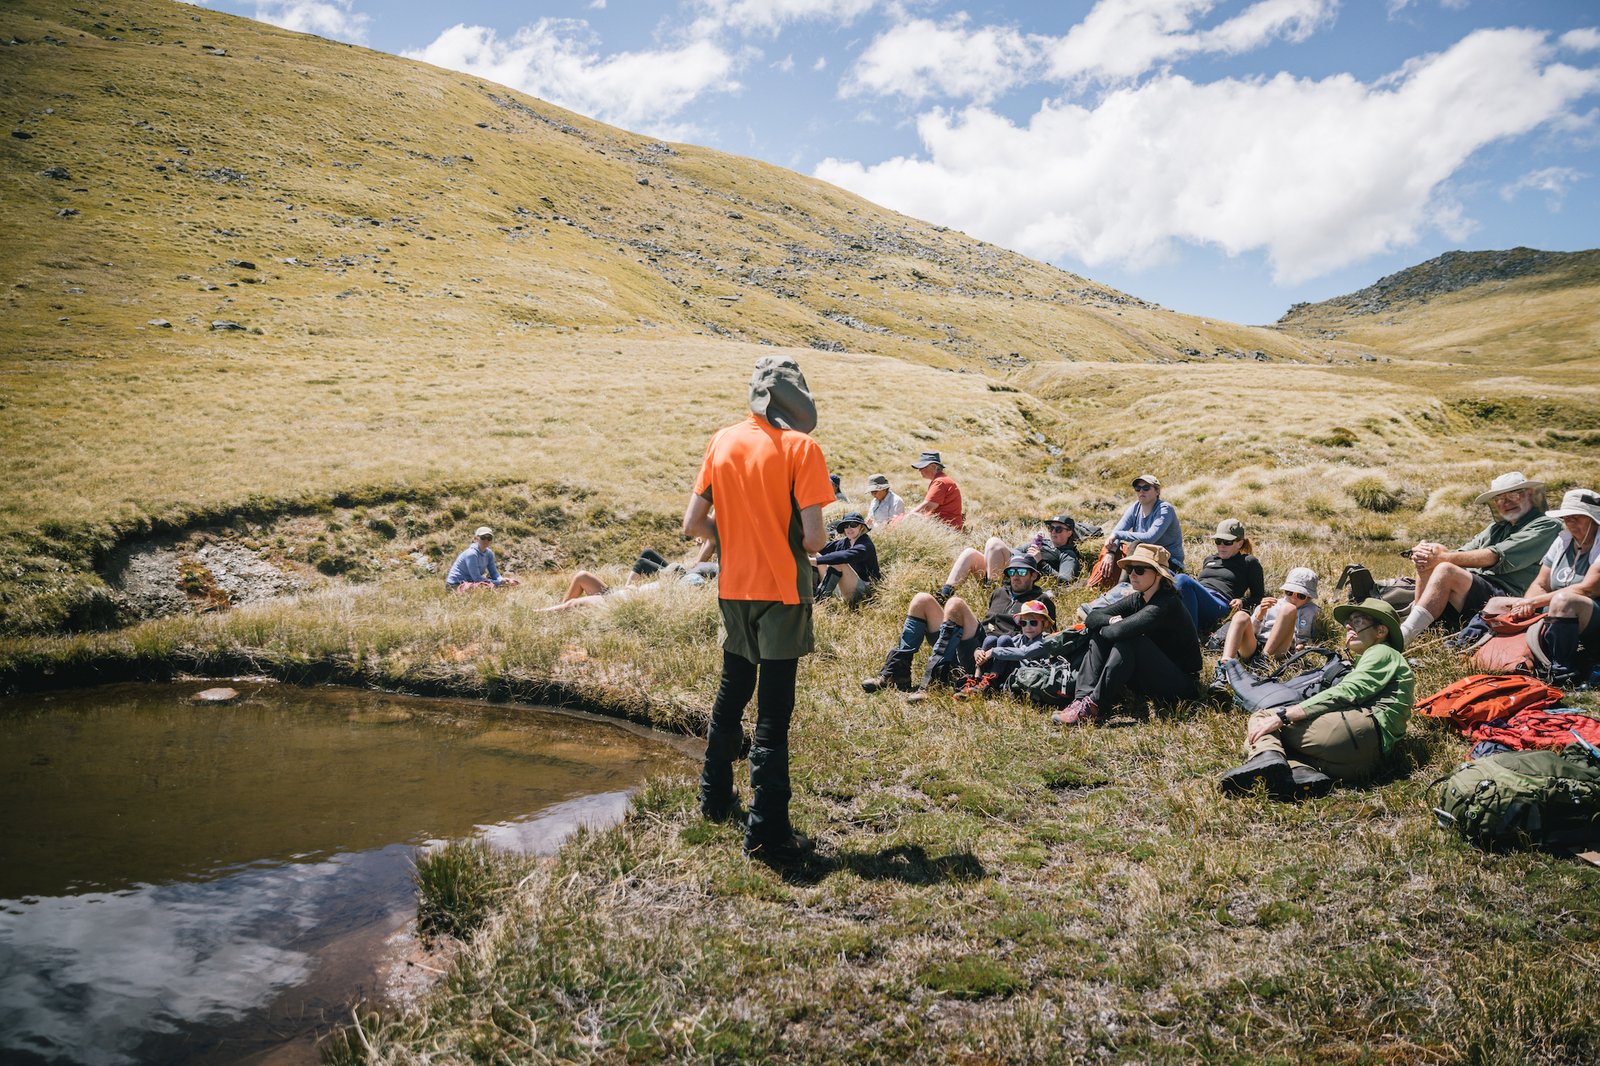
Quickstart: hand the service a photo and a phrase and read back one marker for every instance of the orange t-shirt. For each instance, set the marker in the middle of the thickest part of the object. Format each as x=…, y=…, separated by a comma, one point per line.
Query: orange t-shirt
x=758, y=479
x=946, y=500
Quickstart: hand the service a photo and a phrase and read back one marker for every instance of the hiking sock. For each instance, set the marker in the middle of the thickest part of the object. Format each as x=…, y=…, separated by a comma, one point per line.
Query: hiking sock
x=1560, y=639
x=944, y=652
x=945, y=592
x=1417, y=619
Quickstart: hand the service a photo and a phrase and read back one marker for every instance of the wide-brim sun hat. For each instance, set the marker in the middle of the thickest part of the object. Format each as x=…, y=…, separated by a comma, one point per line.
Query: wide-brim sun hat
x=849, y=518
x=1378, y=611
x=876, y=482
x=927, y=459
x=1033, y=609
x=1301, y=579
x=1511, y=482
x=1578, y=503
x=1152, y=555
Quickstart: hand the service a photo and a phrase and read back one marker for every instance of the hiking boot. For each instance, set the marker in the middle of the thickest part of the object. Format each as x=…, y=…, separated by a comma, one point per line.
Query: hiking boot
x=1081, y=711
x=916, y=695
x=788, y=849
x=1309, y=783
x=1269, y=766
x=826, y=587
x=896, y=673
x=977, y=687
x=945, y=592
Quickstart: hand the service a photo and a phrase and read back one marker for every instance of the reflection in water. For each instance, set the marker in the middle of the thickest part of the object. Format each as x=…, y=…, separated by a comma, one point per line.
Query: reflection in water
x=226, y=954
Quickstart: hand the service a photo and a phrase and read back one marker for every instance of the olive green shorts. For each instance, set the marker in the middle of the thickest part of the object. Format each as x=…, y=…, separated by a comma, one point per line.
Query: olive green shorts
x=766, y=629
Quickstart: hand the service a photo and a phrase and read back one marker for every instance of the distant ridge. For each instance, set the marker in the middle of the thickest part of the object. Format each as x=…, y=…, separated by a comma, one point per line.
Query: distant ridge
x=1447, y=273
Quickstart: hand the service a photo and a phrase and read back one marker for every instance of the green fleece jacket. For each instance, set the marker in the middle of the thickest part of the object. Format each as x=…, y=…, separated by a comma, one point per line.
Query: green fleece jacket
x=1520, y=546
x=1380, y=680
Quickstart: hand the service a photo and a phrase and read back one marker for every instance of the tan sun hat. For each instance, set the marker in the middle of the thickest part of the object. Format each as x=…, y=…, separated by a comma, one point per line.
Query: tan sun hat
x=1578, y=503
x=1152, y=555
x=876, y=482
x=1149, y=479
x=1507, y=483
x=484, y=531
x=1301, y=579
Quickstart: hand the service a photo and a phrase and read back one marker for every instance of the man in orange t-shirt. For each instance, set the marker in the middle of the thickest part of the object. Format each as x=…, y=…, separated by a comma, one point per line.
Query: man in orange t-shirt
x=768, y=482
x=943, y=500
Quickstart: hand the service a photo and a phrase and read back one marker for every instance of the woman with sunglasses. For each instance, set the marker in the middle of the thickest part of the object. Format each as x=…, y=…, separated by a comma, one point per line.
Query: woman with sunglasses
x=1145, y=642
x=1264, y=631
x=1230, y=580
x=1343, y=732
x=1150, y=520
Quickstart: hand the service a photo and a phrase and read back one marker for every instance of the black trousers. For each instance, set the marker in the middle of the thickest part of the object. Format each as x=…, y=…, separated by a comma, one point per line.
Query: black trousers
x=773, y=687
x=1137, y=663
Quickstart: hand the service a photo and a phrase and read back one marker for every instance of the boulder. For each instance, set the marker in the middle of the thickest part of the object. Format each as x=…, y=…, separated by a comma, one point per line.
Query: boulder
x=215, y=695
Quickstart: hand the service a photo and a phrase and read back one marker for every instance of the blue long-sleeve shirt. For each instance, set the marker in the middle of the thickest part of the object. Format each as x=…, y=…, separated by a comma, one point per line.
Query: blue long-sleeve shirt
x=1160, y=526
x=473, y=564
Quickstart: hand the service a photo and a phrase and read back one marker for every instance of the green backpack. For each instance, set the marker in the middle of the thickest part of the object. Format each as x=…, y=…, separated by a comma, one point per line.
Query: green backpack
x=1048, y=682
x=1540, y=799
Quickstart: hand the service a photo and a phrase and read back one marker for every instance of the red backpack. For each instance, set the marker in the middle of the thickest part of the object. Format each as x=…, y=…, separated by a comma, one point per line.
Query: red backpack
x=1106, y=573
x=1487, y=697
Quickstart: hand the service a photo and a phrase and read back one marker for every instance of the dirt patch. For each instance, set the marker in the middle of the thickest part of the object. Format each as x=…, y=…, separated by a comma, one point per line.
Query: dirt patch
x=172, y=577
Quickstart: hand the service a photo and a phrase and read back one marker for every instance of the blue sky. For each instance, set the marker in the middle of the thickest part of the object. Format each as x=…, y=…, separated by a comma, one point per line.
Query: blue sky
x=1220, y=157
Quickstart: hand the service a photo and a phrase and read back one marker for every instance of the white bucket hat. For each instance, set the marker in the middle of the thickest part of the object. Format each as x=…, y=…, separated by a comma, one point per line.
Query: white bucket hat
x=1301, y=579
x=1507, y=483
x=1578, y=503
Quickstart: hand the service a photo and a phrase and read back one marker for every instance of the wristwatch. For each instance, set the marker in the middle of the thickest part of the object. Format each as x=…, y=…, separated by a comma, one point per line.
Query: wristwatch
x=1283, y=715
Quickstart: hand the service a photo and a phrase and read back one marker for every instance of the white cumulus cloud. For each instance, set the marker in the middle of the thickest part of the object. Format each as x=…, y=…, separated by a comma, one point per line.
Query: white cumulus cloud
x=556, y=60
x=772, y=15
x=921, y=58
x=326, y=18
x=1319, y=174
x=1586, y=39
x=1552, y=181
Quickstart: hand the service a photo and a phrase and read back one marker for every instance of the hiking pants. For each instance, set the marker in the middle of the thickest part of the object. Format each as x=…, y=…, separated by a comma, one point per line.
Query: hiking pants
x=768, y=821
x=1112, y=666
x=1205, y=606
x=1345, y=745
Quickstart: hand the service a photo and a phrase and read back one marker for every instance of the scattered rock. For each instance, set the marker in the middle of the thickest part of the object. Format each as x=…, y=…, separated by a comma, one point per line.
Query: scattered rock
x=424, y=563
x=67, y=212
x=22, y=135
x=223, y=324
x=643, y=181
x=215, y=695
x=159, y=323
x=55, y=173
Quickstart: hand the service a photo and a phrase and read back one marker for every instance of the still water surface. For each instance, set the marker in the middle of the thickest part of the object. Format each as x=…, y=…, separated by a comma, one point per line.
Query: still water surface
x=192, y=883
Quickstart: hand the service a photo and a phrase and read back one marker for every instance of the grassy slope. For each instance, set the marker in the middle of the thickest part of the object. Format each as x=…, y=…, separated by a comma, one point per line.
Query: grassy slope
x=991, y=891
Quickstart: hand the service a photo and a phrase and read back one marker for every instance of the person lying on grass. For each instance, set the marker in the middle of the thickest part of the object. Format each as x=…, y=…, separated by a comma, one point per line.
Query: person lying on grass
x=474, y=568
x=1230, y=580
x=1055, y=551
x=956, y=630
x=588, y=589
x=1343, y=732
x=1277, y=627
x=847, y=564
x=1144, y=642
x=1502, y=560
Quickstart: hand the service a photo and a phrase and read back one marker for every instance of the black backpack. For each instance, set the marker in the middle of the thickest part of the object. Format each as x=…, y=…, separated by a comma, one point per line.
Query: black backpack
x=1397, y=592
x=1252, y=693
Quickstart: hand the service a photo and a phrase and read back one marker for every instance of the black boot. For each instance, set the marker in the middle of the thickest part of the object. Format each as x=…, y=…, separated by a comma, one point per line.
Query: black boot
x=942, y=660
x=896, y=670
x=1269, y=766
x=716, y=775
x=1310, y=783
x=1559, y=636
x=829, y=582
x=768, y=822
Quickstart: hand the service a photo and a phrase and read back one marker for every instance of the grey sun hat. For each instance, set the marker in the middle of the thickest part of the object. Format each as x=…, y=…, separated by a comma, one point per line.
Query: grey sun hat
x=927, y=458
x=1578, y=503
x=779, y=394
x=484, y=531
x=1229, y=529
x=1507, y=483
x=1301, y=579
x=876, y=482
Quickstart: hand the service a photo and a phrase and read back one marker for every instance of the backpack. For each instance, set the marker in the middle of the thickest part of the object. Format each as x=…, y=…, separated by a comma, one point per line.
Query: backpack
x=1048, y=682
x=1397, y=592
x=1251, y=693
x=1487, y=697
x=1540, y=799
x=1509, y=647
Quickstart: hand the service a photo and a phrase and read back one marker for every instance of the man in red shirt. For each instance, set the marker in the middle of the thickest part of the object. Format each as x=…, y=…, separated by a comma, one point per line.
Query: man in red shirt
x=943, y=500
x=768, y=481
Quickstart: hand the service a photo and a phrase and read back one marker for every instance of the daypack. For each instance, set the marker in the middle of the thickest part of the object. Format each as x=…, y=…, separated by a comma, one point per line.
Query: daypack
x=1397, y=592
x=1509, y=647
x=1554, y=728
x=1523, y=799
x=1106, y=573
x=1251, y=693
x=1486, y=697
x=1048, y=682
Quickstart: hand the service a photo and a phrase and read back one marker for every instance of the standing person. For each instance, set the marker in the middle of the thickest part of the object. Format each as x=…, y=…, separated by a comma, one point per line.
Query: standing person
x=1503, y=560
x=943, y=500
x=474, y=568
x=769, y=482
x=886, y=505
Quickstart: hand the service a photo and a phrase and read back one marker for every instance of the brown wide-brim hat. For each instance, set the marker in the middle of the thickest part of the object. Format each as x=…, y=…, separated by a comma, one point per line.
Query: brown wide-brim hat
x=1379, y=611
x=1152, y=555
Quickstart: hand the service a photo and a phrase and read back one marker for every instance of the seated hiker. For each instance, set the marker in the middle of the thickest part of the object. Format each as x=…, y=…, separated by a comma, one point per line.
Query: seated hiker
x=587, y=589
x=838, y=492
x=1229, y=581
x=999, y=656
x=1265, y=631
x=1150, y=520
x=848, y=563
x=1144, y=643
x=1055, y=551
x=1343, y=732
x=1568, y=587
x=956, y=630
x=943, y=500
x=886, y=506
x=474, y=568
x=1502, y=560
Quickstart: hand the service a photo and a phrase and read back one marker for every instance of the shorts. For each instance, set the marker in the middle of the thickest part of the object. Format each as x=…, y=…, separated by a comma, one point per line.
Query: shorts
x=766, y=629
x=1480, y=592
x=863, y=592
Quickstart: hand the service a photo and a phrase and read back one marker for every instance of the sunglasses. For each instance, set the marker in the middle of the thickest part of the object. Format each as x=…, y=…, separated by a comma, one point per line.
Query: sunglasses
x=1059, y=529
x=1139, y=570
x=1143, y=488
x=1219, y=542
x=1017, y=571
x=1296, y=595
x=1030, y=621
x=841, y=527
